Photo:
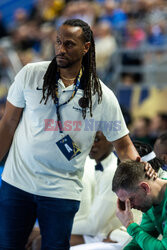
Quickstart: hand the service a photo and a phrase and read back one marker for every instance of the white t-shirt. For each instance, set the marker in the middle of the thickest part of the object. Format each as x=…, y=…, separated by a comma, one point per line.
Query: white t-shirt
x=96, y=215
x=35, y=163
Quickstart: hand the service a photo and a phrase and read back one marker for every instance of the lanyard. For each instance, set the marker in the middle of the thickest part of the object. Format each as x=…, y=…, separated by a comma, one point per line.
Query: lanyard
x=72, y=96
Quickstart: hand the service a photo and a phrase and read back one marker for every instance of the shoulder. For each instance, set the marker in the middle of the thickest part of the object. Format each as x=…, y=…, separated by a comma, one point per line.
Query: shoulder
x=34, y=72
x=38, y=66
x=106, y=91
x=108, y=97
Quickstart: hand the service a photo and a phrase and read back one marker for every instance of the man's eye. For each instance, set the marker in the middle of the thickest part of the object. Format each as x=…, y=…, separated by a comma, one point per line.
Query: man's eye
x=58, y=42
x=96, y=139
x=69, y=44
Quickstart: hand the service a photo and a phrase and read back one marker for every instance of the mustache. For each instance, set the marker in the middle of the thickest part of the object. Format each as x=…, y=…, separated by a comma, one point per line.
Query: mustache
x=61, y=55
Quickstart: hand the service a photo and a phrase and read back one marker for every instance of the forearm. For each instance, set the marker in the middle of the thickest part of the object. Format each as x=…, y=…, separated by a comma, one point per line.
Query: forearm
x=132, y=245
x=125, y=149
x=6, y=136
x=144, y=239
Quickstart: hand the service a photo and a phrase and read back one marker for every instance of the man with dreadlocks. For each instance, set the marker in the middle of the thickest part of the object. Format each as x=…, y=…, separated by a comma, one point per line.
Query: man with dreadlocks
x=52, y=113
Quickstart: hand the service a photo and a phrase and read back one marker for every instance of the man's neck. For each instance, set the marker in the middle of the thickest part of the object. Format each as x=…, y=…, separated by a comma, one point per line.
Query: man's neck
x=103, y=157
x=159, y=188
x=68, y=75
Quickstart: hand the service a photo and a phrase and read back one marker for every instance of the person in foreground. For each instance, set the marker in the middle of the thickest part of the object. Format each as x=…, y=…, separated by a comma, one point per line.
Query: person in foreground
x=135, y=190
x=96, y=217
x=52, y=113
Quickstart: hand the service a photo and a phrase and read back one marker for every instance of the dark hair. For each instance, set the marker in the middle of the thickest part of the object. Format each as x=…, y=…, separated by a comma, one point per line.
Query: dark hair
x=89, y=79
x=144, y=149
x=163, y=139
x=127, y=175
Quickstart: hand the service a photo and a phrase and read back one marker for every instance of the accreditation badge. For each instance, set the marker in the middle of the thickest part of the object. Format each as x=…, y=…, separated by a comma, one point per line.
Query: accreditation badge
x=68, y=147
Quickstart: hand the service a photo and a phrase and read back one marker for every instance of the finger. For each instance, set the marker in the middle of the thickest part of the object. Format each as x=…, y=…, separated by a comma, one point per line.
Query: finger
x=152, y=172
x=149, y=172
x=127, y=205
x=155, y=176
x=147, y=166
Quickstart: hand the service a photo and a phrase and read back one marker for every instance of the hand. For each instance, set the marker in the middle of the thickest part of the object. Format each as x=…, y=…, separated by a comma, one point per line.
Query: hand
x=150, y=172
x=125, y=216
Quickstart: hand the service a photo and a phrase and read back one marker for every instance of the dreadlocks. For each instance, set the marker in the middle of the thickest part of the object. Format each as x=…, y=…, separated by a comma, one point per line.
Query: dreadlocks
x=89, y=79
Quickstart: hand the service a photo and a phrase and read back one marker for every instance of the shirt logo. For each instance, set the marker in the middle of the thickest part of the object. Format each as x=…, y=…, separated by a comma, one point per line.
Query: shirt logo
x=37, y=88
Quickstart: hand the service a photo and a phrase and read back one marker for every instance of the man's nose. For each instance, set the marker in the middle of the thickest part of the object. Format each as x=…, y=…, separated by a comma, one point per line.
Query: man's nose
x=61, y=49
x=94, y=145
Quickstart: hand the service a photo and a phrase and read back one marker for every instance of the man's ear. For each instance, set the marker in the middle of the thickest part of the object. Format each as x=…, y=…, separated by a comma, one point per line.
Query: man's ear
x=87, y=46
x=145, y=187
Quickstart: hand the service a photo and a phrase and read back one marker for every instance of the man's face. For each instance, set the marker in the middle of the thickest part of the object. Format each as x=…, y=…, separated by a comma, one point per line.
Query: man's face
x=101, y=147
x=139, y=199
x=160, y=151
x=69, y=47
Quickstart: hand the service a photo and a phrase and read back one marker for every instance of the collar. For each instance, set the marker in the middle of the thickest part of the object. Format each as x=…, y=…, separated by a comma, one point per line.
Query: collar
x=69, y=88
x=63, y=87
x=111, y=158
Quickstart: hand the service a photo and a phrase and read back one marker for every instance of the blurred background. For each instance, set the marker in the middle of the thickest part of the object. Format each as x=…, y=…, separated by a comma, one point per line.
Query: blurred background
x=131, y=51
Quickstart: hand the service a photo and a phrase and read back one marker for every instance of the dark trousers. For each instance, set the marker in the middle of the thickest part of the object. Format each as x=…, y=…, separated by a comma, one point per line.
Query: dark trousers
x=18, y=213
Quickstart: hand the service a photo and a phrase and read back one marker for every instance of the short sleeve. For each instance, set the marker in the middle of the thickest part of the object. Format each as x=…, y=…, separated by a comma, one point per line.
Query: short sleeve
x=16, y=90
x=114, y=126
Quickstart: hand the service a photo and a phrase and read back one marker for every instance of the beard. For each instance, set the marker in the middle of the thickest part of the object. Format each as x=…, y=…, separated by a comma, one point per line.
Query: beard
x=63, y=62
x=63, y=66
x=146, y=205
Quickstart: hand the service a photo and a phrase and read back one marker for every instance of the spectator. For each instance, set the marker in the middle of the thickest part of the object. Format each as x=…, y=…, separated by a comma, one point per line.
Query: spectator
x=134, y=35
x=141, y=130
x=105, y=46
x=160, y=148
x=114, y=15
x=159, y=124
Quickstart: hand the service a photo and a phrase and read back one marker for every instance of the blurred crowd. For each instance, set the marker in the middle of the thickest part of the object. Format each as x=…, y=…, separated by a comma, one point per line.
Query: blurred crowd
x=134, y=29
